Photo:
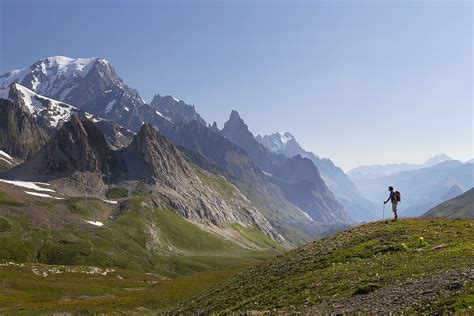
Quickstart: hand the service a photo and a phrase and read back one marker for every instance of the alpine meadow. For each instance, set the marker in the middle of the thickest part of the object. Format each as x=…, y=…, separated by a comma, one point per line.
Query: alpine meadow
x=236, y=157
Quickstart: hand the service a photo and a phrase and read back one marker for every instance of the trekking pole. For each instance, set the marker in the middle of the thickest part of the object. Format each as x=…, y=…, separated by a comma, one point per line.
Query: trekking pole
x=383, y=213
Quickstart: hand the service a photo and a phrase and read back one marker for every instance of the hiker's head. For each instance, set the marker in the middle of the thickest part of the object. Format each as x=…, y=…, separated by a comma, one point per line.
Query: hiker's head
x=390, y=188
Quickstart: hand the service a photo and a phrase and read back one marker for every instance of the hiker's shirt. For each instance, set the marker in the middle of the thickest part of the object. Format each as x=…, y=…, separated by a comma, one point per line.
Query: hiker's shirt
x=393, y=197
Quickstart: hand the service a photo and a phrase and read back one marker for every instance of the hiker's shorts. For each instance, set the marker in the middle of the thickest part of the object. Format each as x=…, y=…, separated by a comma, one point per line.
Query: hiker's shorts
x=394, y=207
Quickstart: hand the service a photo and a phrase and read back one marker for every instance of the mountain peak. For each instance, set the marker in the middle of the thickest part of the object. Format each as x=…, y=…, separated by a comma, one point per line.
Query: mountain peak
x=236, y=126
x=285, y=137
x=47, y=76
x=177, y=111
x=234, y=115
x=437, y=159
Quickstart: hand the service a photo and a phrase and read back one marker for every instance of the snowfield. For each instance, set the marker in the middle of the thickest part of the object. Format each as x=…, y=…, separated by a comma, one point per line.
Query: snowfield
x=4, y=154
x=29, y=185
x=52, y=111
x=57, y=70
x=43, y=195
x=3, y=159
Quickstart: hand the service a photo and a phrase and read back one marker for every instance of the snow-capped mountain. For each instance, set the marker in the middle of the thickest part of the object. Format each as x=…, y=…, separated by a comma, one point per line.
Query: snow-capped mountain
x=51, y=76
x=280, y=142
x=436, y=160
x=51, y=114
x=90, y=84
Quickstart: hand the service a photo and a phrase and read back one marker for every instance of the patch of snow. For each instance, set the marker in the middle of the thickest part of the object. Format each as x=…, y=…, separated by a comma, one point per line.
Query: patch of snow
x=110, y=201
x=266, y=173
x=2, y=153
x=100, y=224
x=285, y=137
x=43, y=195
x=109, y=106
x=28, y=185
x=3, y=159
x=52, y=111
x=34, y=82
x=126, y=108
x=177, y=100
x=159, y=114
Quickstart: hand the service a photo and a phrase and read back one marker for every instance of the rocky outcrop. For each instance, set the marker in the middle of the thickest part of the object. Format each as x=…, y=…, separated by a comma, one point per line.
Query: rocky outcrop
x=76, y=147
x=20, y=135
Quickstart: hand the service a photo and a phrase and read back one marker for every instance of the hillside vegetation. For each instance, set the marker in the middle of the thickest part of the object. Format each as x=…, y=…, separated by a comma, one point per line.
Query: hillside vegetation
x=140, y=234
x=403, y=266
x=461, y=206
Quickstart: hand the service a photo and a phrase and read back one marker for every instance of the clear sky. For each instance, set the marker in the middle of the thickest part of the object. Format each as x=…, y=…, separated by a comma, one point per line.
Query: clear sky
x=360, y=82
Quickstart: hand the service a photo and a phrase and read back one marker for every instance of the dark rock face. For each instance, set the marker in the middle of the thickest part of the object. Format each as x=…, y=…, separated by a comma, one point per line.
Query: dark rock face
x=19, y=133
x=295, y=174
x=116, y=135
x=77, y=146
x=152, y=156
x=300, y=181
x=238, y=132
x=176, y=110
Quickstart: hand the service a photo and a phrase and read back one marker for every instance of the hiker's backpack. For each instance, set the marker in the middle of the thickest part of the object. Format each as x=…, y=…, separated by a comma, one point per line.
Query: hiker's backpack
x=398, y=195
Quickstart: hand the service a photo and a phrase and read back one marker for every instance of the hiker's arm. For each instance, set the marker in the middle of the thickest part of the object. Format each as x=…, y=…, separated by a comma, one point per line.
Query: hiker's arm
x=385, y=202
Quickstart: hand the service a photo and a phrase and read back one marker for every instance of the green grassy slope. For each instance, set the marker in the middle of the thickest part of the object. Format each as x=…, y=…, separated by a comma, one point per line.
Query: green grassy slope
x=154, y=257
x=139, y=234
x=30, y=289
x=408, y=265
x=461, y=206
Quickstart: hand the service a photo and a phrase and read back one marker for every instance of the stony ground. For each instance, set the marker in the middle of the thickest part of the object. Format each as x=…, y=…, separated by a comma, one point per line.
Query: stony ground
x=402, y=296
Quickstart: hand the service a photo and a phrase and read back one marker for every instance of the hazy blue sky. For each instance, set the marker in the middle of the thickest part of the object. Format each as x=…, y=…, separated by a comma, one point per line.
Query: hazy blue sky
x=360, y=82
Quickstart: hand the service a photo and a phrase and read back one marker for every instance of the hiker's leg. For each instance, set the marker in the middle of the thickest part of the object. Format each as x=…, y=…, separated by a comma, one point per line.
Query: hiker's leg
x=394, y=209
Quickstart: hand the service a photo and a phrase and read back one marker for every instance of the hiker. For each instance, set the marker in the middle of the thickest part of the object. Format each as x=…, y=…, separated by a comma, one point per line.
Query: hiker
x=394, y=198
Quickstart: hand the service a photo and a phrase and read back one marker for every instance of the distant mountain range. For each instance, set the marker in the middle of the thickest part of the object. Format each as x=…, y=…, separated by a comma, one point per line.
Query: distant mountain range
x=285, y=143
x=461, y=206
x=422, y=188
x=380, y=170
